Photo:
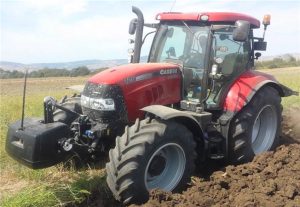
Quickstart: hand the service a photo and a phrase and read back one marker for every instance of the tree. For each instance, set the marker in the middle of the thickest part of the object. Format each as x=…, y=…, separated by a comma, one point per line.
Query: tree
x=80, y=71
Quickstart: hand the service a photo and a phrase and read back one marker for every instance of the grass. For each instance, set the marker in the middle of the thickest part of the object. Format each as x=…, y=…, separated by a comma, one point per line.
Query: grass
x=58, y=194
x=289, y=77
x=20, y=186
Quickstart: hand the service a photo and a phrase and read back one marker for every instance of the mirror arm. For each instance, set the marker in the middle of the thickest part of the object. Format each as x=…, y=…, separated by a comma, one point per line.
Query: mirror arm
x=265, y=29
x=258, y=38
x=147, y=36
x=151, y=25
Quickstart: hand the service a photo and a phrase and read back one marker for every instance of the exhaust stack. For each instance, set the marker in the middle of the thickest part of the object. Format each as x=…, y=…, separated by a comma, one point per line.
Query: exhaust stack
x=138, y=34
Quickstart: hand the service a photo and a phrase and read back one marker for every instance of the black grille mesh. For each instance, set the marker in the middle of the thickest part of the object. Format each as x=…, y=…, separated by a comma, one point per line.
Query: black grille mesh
x=114, y=92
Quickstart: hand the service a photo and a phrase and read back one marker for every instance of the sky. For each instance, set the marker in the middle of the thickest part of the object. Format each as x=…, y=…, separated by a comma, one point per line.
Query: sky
x=39, y=31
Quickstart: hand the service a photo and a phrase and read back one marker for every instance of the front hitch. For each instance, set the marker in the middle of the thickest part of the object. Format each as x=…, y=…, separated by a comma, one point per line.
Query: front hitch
x=49, y=104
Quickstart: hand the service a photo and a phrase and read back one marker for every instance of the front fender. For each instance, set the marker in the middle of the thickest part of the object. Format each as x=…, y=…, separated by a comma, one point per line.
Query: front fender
x=183, y=118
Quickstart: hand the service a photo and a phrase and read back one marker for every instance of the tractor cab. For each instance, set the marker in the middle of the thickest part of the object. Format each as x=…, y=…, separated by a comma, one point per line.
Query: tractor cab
x=211, y=49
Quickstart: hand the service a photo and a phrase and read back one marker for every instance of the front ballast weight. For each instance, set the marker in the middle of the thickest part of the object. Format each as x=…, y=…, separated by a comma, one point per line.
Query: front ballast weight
x=44, y=143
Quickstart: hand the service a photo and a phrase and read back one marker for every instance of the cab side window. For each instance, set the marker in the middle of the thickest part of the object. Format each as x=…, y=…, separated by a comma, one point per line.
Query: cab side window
x=235, y=55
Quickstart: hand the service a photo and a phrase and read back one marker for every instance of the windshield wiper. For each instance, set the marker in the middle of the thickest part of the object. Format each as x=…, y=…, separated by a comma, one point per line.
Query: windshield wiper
x=193, y=33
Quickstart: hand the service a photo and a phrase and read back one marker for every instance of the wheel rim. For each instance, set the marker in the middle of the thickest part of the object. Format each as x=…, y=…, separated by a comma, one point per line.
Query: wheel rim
x=264, y=129
x=165, y=168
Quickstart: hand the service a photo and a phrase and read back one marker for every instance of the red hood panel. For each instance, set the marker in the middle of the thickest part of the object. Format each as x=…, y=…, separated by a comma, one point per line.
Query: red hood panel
x=116, y=75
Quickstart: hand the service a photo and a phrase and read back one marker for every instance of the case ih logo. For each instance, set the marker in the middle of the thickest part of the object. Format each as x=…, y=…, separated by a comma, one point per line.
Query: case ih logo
x=147, y=76
x=168, y=71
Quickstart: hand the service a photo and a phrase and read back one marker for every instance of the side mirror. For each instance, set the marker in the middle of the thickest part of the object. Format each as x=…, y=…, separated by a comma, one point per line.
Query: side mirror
x=260, y=45
x=257, y=55
x=241, y=32
x=132, y=26
x=171, y=52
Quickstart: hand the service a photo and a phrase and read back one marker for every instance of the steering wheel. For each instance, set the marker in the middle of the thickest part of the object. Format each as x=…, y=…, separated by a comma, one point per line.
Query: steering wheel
x=194, y=59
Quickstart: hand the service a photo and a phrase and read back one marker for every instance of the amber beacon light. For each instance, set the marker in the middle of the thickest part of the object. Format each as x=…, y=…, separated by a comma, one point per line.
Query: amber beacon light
x=267, y=19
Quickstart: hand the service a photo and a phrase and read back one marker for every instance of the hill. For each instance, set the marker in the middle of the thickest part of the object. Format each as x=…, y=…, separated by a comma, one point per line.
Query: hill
x=90, y=64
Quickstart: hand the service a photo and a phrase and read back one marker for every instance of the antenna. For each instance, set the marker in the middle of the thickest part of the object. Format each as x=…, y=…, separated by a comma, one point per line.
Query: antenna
x=174, y=2
x=24, y=95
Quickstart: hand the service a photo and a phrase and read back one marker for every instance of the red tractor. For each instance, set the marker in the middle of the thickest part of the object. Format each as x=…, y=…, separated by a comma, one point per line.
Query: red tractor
x=198, y=96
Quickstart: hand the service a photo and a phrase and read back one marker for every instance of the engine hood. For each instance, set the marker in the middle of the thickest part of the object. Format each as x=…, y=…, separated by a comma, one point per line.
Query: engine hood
x=121, y=74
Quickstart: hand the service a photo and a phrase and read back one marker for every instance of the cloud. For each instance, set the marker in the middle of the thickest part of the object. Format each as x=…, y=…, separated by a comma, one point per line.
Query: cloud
x=50, y=31
x=41, y=5
x=73, y=7
x=90, y=38
x=64, y=7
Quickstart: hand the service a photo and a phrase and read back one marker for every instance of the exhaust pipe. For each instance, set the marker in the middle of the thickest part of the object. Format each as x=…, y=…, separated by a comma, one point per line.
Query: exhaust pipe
x=138, y=35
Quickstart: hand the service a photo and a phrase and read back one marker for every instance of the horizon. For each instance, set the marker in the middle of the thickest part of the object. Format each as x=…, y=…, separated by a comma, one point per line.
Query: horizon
x=54, y=31
x=73, y=61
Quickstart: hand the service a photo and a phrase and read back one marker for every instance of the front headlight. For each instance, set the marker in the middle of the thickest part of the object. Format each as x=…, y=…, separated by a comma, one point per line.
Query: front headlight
x=101, y=104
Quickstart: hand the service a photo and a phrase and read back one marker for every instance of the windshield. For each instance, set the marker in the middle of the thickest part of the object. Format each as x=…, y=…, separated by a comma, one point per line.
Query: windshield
x=181, y=44
x=185, y=45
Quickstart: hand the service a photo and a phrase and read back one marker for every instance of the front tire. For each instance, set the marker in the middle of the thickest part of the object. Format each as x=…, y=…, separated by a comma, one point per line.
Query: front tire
x=150, y=154
x=257, y=127
x=73, y=104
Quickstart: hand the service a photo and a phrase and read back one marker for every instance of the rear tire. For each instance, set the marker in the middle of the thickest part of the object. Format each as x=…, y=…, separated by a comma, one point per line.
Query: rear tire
x=150, y=154
x=256, y=128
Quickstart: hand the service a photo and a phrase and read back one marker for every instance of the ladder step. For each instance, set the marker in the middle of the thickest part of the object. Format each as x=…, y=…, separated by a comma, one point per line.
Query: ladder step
x=216, y=156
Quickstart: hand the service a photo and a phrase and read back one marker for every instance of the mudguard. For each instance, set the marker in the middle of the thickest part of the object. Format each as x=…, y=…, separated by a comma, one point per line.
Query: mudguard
x=184, y=118
x=245, y=87
x=242, y=91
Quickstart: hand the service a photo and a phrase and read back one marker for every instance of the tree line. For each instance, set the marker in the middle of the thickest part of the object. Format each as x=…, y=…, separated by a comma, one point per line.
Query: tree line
x=46, y=72
x=278, y=62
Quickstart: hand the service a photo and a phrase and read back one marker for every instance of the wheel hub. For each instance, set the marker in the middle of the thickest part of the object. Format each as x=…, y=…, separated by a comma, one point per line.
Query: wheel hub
x=165, y=167
x=157, y=165
x=264, y=129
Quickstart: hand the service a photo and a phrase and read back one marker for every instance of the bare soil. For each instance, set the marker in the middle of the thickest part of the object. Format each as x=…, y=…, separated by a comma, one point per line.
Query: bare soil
x=271, y=179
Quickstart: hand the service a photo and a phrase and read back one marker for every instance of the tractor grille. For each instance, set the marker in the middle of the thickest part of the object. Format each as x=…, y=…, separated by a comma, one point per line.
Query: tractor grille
x=114, y=118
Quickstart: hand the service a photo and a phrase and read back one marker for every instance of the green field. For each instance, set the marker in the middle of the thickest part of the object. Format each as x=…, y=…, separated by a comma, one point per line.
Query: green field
x=56, y=186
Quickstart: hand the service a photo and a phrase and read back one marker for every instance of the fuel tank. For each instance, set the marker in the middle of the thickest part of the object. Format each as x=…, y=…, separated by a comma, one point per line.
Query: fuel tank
x=142, y=85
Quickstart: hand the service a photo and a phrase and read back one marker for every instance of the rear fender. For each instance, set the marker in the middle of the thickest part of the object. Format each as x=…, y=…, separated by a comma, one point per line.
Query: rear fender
x=241, y=93
x=167, y=113
x=246, y=86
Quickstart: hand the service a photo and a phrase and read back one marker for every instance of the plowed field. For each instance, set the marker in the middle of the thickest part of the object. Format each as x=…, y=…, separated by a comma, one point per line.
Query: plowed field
x=271, y=179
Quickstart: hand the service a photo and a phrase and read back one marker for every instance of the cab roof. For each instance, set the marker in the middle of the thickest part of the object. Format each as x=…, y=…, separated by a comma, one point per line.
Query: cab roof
x=222, y=17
